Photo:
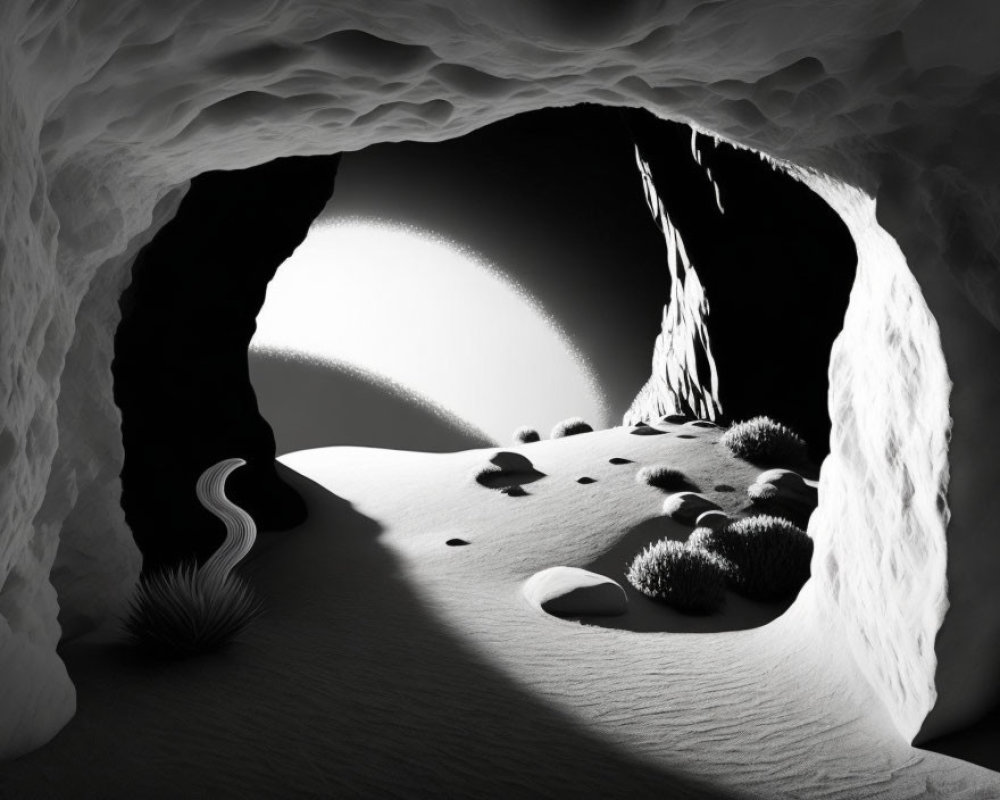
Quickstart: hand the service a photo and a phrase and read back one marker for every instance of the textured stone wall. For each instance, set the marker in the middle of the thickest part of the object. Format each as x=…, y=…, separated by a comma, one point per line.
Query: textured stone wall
x=879, y=532
x=108, y=108
x=775, y=263
x=684, y=377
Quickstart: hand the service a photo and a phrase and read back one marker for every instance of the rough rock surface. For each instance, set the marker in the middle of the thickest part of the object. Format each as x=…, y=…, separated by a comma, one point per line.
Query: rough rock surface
x=775, y=267
x=684, y=379
x=108, y=110
x=571, y=592
x=879, y=531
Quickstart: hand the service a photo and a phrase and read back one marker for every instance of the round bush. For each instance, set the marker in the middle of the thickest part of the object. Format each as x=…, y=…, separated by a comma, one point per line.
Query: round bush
x=761, y=440
x=768, y=556
x=570, y=427
x=526, y=435
x=181, y=612
x=663, y=477
x=701, y=538
x=690, y=580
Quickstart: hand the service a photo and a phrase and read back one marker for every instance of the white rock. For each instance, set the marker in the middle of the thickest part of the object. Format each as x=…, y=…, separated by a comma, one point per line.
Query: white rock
x=788, y=484
x=571, y=592
x=687, y=507
x=712, y=519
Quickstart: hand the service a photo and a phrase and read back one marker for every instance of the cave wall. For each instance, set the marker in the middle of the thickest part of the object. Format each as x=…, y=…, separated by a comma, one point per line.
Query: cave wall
x=181, y=374
x=774, y=266
x=879, y=532
x=936, y=224
x=685, y=378
x=108, y=109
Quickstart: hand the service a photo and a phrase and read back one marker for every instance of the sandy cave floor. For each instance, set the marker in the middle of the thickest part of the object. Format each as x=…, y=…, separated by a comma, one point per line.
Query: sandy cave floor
x=390, y=664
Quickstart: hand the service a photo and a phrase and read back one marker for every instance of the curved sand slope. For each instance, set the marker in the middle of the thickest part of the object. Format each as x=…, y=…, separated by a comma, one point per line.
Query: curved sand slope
x=392, y=665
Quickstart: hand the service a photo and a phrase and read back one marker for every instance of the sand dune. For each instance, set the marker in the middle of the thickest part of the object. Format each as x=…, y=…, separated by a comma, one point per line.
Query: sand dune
x=317, y=403
x=390, y=664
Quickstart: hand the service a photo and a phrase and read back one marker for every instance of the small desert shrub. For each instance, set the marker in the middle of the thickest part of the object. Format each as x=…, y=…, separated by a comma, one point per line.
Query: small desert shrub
x=182, y=612
x=700, y=538
x=761, y=440
x=769, y=556
x=191, y=609
x=663, y=477
x=690, y=580
x=570, y=427
x=526, y=435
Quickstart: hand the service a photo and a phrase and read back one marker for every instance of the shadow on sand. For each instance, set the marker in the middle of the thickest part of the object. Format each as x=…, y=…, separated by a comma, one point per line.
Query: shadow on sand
x=347, y=687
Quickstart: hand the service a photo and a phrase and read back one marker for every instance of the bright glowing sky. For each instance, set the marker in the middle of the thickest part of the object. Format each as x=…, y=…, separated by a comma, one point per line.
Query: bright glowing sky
x=433, y=317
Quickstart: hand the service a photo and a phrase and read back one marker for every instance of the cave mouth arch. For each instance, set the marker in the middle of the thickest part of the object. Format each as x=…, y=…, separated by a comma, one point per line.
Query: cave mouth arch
x=813, y=86
x=574, y=227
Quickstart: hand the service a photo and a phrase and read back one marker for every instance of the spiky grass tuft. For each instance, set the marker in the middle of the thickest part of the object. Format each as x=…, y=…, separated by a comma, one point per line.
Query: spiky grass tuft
x=664, y=477
x=526, y=435
x=769, y=556
x=570, y=427
x=761, y=440
x=181, y=612
x=690, y=580
x=194, y=609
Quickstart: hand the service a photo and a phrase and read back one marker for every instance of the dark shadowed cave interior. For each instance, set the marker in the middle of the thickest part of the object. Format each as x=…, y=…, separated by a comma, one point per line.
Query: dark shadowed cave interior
x=777, y=266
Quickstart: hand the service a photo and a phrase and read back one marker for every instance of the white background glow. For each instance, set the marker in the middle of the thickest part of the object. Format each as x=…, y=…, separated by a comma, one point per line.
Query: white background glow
x=433, y=317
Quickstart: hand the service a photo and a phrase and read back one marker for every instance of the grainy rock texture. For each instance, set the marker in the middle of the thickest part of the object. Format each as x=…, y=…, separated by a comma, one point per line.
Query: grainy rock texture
x=684, y=378
x=775, y=267
x=879, y=531
x=108, y=109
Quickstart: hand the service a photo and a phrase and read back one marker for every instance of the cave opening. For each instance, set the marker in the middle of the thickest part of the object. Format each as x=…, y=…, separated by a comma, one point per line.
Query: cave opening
x=553, y=202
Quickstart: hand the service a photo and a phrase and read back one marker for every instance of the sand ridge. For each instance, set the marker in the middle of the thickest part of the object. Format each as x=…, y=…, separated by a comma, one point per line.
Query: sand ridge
x=390, y=664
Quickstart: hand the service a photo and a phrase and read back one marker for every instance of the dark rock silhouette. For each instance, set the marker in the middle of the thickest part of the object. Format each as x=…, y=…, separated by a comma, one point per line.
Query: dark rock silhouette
x=777, y=292
x=180, y=369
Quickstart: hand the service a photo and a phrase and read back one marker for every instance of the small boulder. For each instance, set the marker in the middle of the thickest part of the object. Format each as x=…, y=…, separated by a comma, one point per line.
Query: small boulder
x=713, y=519
x=573, y=592
x=645, y=430
x=789, y=484
x=687, y=507
x=785, y=493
